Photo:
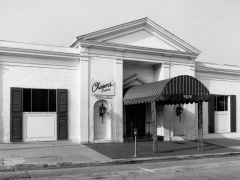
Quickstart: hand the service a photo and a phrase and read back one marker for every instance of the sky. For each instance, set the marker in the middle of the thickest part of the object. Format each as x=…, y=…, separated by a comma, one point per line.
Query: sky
x=211, y=26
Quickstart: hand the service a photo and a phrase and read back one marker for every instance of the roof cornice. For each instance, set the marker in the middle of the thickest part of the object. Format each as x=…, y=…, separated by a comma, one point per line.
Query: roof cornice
x=217, y=70
x=136, y=49
x=34, y=50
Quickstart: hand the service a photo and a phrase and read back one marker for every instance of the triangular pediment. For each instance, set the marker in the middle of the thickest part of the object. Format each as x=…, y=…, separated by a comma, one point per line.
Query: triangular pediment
x=140, y=33
x=143, y=38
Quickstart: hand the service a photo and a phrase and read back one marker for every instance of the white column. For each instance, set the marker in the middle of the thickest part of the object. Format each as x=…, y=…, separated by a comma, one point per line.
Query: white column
x=192, y=70
x=164, y=71
x=118, y=126
x=84, y=98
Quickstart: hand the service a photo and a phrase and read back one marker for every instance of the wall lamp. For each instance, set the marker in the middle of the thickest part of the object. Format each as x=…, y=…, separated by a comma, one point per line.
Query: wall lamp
x=102, y=110
x=179, y=110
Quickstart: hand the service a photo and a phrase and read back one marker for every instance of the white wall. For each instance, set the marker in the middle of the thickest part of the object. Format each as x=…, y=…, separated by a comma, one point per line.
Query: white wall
x=221, y=87
x=107, y=68
x=220, y=80
x=39, y=73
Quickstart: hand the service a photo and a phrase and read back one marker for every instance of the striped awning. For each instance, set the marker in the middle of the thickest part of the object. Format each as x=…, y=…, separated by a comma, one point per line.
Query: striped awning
x=180, y=89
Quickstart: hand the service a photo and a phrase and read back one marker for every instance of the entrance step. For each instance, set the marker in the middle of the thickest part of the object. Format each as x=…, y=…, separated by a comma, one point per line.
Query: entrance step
x=142, y=138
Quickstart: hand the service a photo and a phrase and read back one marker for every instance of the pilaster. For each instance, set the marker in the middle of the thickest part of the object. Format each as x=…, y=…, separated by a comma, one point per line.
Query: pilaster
x=84, y=96
x=192, y=70
x=118, y=125
x=165, y=71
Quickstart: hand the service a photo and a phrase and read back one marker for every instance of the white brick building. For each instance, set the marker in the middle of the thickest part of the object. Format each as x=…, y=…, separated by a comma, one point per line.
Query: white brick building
x=47, y=91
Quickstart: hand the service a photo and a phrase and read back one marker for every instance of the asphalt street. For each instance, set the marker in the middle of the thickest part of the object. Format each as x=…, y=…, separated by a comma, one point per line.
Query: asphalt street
x=199, y=169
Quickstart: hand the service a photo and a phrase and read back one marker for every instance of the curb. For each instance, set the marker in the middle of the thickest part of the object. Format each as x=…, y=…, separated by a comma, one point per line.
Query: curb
x=39, y=166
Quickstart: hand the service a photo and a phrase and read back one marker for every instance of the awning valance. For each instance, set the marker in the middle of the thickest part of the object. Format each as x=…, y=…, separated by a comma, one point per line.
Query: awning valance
x=180, y=89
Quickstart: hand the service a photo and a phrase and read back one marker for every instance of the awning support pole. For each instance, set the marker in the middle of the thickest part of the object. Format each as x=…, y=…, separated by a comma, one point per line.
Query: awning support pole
x=154, y=123
x=200, y=127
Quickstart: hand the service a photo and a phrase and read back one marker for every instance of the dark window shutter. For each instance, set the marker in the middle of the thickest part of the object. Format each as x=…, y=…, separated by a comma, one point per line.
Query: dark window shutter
x=62, y=114
x=211, y=118
x=233, y=113
x=16, y=115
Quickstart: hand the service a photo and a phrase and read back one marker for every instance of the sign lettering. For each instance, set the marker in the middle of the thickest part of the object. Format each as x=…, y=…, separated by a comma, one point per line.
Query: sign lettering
x=103, y=88
x=187, y=96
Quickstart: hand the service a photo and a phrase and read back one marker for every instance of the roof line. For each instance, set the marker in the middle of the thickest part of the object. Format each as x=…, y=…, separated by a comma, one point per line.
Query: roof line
x=112, y=27
x=145, y=20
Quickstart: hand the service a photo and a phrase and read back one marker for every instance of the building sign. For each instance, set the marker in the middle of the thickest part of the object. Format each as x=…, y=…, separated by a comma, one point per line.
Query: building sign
x=105, y=88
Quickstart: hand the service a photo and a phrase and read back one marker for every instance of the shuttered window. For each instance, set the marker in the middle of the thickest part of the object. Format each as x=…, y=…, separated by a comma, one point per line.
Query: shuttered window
x=220, y=103
x=62, y=114
x=16, y=115
x=38, y=100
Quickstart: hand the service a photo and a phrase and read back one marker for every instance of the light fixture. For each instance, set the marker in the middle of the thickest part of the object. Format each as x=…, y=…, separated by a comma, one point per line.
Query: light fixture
x=102, y=110
x=179, y=110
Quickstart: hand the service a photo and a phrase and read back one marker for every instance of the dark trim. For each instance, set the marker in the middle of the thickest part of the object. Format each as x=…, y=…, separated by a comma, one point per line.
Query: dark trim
x=16, y=127
x=211, y=116
x=233, y=113
x=62, y=114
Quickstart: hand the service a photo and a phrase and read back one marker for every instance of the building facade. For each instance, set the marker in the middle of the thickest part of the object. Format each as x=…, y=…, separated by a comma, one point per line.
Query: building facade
x=77, y=93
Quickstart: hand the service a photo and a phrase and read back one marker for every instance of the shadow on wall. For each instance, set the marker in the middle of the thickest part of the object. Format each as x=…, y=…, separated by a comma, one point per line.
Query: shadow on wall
x=183, y=125
x=102, y=122
x=168, y=123
x=190, y=119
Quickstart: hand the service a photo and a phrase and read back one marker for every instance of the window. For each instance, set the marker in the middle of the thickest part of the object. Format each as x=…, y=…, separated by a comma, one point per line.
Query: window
x=220, y=103
x=52, y=100
x=39, y=100
x=27, y=103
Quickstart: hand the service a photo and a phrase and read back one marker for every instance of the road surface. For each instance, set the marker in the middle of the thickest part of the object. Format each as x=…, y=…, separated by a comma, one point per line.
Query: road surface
x=225, y=168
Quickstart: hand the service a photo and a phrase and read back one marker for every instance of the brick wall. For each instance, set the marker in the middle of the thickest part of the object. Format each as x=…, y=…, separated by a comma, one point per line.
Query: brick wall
x=39, y=76
x=101, y=69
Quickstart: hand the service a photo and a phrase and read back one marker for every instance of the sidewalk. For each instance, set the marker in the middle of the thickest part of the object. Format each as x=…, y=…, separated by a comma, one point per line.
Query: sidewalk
x=17, y=156
x=50, y=152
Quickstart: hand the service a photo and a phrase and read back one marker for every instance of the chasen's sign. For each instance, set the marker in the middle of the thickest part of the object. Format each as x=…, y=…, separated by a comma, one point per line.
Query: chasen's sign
x=103, y=87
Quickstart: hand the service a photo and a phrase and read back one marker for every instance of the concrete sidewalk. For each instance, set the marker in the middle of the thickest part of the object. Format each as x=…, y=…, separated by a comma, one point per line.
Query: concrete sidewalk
x=49, y=152
x=17, y=156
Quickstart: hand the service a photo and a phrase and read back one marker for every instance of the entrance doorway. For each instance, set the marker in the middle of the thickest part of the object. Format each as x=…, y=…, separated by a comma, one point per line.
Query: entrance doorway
x=135, y=117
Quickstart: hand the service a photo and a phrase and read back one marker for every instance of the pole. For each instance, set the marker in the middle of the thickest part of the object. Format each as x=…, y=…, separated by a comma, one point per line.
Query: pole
x=135, y=134
x=135, y=155
x=154, y=126
x=200, y=127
